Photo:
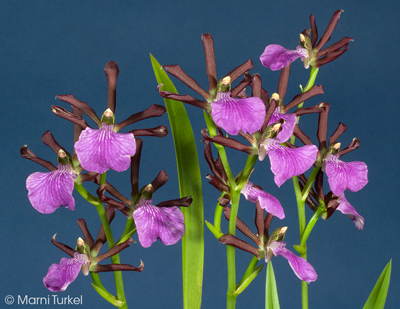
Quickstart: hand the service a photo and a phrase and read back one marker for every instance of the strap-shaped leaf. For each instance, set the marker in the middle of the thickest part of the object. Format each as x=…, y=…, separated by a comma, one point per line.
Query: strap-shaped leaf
x=189, y=185
x=271, y=292
x=377, y=298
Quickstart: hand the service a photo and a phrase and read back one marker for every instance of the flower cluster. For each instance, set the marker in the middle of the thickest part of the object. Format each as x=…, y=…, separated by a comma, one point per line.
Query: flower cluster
x=97, y=151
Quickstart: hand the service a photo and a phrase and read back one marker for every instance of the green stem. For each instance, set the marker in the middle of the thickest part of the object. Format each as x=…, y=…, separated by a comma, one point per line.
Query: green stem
x=320, y=210
x=302, y=196
x=249, y=270
x=230, y=251
x=310, y=181
x=110, y=240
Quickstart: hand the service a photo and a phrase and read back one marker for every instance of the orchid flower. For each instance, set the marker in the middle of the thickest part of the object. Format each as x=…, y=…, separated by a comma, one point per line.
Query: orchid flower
x=309, y=51
x=347, y=209
x=99, y=150
x=153, y=222
x=60, y=276
x=286, y=162
x=267, y=202
x=345, y=175
x=234, y=115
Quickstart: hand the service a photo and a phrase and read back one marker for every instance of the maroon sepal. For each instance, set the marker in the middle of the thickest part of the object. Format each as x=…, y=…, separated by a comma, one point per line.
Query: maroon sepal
x=135, y=162
x=84, y=107
x=242, y=85
x=238, y=71
x=101, y=236
x=355, y=143
x=117, y=267
x=111, y=70
x=75, y=119
x=224, y=201
x=315, y=90
x=328, y=31
x=153, y=111
x=181, y=202
x=283, y=81
x=159, y=131
x=331, y=53
x=240, y=244
x=160, y=180
x=323, y=127
x=242, y=227
x=270, y=110
x=211, y=67
x=49, y=140
x=114, y=192
x=77, y=127
x=231, y=143
x=118, y=205
x=184, y=98
x=319, y=108
x=26, y=153
x=217, y=184
x=339, y=131
x=114, y=250
x=331, y=203
x=85, y=231
x=177, y=71
x=67, y=249
x=301, y=135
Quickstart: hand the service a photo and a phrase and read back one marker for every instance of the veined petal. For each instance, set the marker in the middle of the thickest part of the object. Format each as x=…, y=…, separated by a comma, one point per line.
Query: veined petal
x=302, y=269
x=234, y=114
x=164, y=223
x=288, y=162
x=287, y=127
x=103, y=149
x=345, y=175
x=277, y=57
x=267, y=202
x=59, y=276
x=346, y=209
x=51, y=190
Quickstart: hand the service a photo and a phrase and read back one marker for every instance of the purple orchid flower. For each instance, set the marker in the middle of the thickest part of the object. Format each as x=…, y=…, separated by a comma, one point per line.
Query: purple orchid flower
x=60, y=276
x=287, y=127
x=104, y=149
x=287, y=162
x=51, y=190
x=347, y=209
x=234, y=115
x=99, y=150
x=267, y=202
x=302, y=269
x=153, y=222
x=277, y=57
x=310, y=51
x=345, y=175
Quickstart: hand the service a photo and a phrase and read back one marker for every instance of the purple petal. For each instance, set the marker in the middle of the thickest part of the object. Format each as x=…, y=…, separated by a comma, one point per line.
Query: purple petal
x=345, y=175
x=302, y=269
x=104, y=149
x=51, y=190
x=59, y=276
x=277, y=57
x=234, y=114
x=267, y=202
x=287, y=127
x=346, y=209
x=164, y=223
x=288, y=162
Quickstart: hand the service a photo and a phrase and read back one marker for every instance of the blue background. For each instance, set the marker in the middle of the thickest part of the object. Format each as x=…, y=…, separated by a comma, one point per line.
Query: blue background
x=53, y=47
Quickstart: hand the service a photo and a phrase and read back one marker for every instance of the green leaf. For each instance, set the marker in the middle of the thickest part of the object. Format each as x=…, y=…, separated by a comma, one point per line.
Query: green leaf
x=248, y=280
x=189, y=184
x=271, y=292
x=377, y=298
x=107, y=296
